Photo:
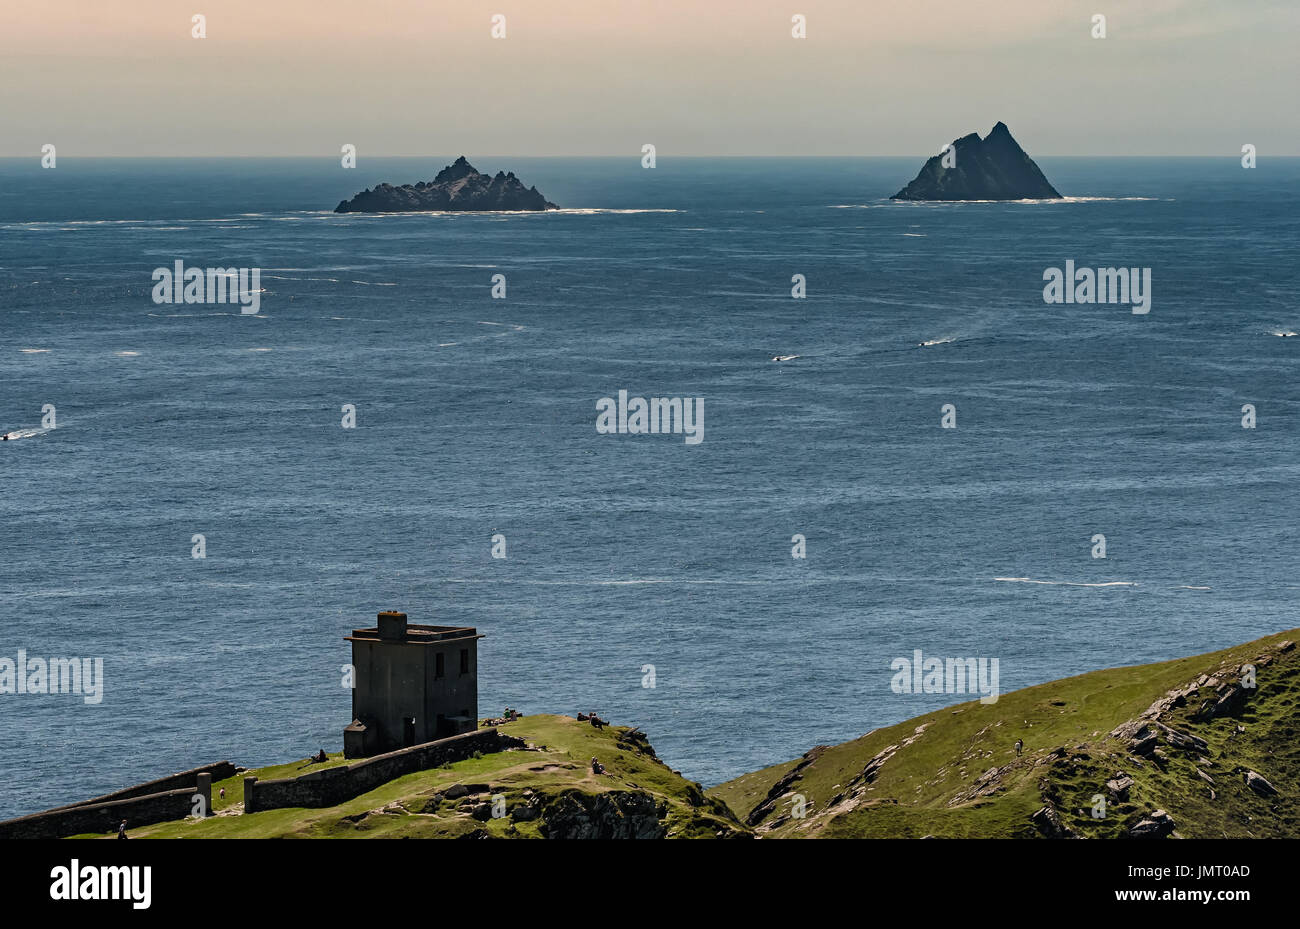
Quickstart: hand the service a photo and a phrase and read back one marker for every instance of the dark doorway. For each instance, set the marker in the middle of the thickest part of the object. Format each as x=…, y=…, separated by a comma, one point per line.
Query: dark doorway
x=408, y=731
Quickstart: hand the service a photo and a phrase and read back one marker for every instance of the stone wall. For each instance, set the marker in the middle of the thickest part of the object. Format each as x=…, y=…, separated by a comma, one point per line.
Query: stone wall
x=332, y=786
x=220, y=771
x=157, y=801
x=104, y=817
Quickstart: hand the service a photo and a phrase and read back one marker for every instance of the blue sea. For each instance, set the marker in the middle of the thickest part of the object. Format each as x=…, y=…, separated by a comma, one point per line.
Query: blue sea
x=476, y=416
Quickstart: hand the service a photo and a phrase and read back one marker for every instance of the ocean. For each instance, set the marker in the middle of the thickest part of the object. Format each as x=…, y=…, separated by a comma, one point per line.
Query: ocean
x=476, y=416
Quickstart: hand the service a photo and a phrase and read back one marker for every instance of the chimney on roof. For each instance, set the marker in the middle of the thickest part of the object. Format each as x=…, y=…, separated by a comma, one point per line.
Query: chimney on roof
x=392, y=626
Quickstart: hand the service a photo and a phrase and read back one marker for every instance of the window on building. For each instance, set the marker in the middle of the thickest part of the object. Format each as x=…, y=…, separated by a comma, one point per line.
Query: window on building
x=464, y=661
x=439, y=665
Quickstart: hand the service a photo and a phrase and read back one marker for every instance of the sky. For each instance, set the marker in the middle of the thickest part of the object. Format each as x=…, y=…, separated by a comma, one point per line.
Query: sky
x=604, y=77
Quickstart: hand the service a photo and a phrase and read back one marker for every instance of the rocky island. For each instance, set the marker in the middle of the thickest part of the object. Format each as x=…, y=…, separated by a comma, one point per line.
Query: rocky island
x=458, y=187
x=992, y=168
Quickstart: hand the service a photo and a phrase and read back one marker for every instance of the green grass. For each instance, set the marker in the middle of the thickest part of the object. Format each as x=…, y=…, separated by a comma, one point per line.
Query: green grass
x=926, y=788
x=1068, y=756
x=413, y=805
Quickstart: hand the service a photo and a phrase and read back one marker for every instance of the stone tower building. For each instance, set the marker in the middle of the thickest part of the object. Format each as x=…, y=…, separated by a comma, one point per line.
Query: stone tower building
x=413, y=684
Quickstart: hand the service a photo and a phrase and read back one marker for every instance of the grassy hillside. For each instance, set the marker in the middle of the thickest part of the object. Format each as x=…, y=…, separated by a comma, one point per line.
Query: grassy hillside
x=1178, y=748
x=548, y=790
x=1177, y=737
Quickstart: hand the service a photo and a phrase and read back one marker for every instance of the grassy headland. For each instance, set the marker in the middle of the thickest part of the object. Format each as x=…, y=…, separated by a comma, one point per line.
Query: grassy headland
x=1176, y=748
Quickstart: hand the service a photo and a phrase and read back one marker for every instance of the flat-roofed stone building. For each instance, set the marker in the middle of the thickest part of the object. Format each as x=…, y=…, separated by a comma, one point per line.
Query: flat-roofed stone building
x=412, y=684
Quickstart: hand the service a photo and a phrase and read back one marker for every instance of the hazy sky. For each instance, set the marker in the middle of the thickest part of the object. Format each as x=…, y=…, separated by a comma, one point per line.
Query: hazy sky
x=602, y=77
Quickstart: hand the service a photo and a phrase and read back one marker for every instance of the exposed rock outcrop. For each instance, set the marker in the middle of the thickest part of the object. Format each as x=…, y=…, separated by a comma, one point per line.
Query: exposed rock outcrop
x=782, y=787
x=992, y=168
x=458, y=187
x=1048, y=822
x=1257, y=783
x=1157, y=825
x=618, y=814
x=1119, y=786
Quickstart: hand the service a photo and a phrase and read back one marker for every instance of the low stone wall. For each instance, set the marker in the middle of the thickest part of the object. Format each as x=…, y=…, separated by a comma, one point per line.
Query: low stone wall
x=104, y=817
x=332, y=786
x=220, y=771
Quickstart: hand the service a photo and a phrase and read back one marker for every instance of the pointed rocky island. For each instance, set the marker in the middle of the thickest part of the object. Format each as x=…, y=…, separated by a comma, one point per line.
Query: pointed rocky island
x=992, y=168
x=458, y=187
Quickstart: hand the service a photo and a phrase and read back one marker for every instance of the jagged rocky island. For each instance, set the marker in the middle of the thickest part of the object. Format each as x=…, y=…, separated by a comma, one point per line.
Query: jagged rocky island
x=992, y=168
x=458, y=187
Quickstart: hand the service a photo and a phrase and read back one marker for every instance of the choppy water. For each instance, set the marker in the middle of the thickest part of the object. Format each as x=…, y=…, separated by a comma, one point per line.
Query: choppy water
x=476, y=416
